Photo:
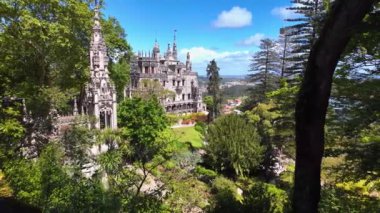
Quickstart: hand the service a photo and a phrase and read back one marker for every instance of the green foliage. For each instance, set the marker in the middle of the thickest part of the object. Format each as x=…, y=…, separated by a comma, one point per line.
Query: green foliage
x=185, y=193
x=201, y=127
x=303, y=33
x=143, y=204
x=205, y=174
x=119, y=73
x=47, y=185
x=11, y=132
x=76, y=142
x=233, y=144
x=266, y=198
x=264, y=68
x=339, y=200
x=24, y=179
x=44, y=50
x=115, y=38
x=142, y=121
x=213, y=89
x=226, y=196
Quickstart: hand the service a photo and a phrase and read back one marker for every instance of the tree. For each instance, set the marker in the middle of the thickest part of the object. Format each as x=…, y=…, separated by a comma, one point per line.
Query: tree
x=115, y=38
x=77, y=142
x=46, y=183
x=119, y=52
x=142, y=121
x=285, y=46
x=44, y=51
x=314, y=95
x=213, y=89
x=303, y=34
x=11, y=130
x=226, y=198
x=265, y=66
x=233, y=145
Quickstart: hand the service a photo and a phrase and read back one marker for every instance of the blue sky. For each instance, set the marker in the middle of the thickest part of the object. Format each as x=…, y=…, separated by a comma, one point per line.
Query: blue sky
x=226, y=30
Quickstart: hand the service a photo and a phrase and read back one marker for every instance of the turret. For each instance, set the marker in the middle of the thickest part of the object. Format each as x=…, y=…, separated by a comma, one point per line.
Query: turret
x=188, y=63
x=156, y=51
x=169, y=52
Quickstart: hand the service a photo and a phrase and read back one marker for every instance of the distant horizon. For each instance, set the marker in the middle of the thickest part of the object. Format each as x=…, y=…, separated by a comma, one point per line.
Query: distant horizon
x=230, y=76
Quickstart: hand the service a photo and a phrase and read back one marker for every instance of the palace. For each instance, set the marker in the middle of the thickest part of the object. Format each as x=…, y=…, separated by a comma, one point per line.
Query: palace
x=171, y=74
x=99, y=100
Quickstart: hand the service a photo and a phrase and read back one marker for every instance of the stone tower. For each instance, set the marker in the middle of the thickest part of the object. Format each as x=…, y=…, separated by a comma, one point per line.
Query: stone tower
x=100, y=99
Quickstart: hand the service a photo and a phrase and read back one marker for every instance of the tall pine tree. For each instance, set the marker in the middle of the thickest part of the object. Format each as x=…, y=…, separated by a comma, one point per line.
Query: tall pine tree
x=213, y=89
x=304, y=33
x=265, y=69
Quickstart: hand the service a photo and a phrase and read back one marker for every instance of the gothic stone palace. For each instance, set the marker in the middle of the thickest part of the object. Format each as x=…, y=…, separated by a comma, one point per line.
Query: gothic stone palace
x=171, y=74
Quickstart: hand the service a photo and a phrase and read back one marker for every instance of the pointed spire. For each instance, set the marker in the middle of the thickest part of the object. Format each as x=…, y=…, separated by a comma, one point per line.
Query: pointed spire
x=96, y=16
x=175, y=36
x=188, y=63
x=175, y=45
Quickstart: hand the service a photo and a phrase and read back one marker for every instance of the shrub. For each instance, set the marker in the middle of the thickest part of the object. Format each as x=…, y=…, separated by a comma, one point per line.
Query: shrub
x=233, y=145
x=205, y=174
x=266, y=198
x=226, y=197
x=335, y=199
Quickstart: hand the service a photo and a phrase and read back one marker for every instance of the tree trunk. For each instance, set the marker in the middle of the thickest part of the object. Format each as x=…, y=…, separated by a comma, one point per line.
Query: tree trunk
x=314, y=96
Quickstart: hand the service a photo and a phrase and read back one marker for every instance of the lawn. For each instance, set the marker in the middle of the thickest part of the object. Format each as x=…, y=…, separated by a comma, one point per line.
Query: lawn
x=189, y=134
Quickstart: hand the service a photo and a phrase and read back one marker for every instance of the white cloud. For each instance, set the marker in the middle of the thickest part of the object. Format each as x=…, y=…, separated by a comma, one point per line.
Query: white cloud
x=284, y=13
x=253, y=40
x=235, y=18
x=230, y=62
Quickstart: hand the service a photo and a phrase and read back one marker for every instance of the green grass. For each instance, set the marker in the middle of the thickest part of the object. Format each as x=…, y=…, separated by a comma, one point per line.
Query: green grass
x=189, y=134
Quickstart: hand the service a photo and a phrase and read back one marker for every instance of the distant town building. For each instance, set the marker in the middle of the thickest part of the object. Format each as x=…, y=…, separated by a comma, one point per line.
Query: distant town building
x=170, y=73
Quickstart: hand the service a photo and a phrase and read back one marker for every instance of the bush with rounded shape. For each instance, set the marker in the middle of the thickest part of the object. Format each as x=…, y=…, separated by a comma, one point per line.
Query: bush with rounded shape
x=233, y=145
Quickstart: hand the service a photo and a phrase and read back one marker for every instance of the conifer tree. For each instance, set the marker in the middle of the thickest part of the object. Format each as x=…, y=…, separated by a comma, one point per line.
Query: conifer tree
x=213, y=89
x=304, y=33
x=265, y=67
x=284, y=46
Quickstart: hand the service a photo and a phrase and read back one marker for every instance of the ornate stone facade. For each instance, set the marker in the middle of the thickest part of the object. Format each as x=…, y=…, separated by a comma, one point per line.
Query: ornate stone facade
x=171, y=74
x=100, y=98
